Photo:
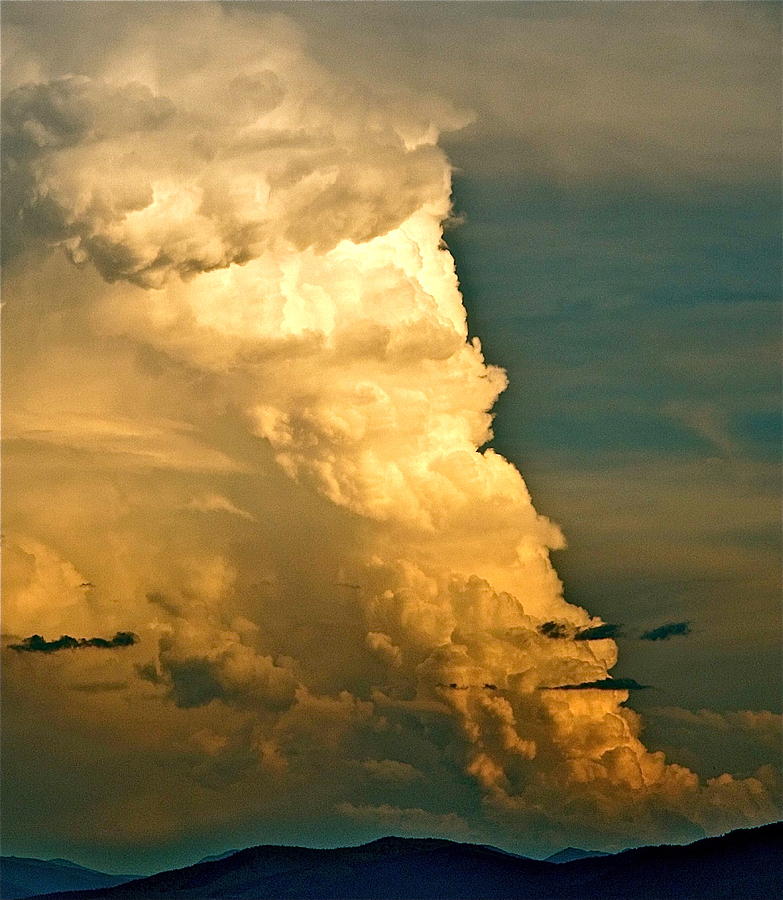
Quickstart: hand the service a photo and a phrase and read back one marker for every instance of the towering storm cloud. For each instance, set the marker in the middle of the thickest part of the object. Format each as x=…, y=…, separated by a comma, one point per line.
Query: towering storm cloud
x=248, y=422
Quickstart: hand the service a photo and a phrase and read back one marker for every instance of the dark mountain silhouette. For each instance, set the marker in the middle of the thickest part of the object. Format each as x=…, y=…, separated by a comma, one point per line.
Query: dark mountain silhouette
x=742, y=865
x=572, y=853
x=24, y=877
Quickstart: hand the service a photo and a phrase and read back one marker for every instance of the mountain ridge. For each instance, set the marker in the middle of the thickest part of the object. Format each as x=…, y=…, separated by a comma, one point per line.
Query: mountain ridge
x=742, y=864
x=24, y=876
x=570, y=854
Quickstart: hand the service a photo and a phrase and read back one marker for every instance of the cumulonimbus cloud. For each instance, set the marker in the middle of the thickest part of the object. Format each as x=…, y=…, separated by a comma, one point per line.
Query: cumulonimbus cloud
x=273, y=272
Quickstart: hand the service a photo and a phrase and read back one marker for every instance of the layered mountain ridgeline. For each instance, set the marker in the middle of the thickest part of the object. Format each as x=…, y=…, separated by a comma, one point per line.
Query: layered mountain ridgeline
x=572, y=853
x=215, y=856
x=742, y=865
x=23, y=877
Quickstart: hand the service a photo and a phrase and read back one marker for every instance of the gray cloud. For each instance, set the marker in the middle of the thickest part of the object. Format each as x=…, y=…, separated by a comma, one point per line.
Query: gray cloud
x=573, y=94
x=37, y=644
x=597, y=633
x=666, y=631
x=562, y=630
x=764, y=725
x=605, y=684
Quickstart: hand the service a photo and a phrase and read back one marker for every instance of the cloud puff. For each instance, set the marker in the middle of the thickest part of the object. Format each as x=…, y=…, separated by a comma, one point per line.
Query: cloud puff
x=199, y=662
x=33, y=574
x=198, y=192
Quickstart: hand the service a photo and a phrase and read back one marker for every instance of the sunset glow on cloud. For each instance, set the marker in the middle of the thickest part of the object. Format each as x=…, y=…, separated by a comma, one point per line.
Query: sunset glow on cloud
x=247, y=423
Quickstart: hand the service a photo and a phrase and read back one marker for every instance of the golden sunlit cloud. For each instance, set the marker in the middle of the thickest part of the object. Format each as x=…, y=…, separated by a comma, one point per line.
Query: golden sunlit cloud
x=247, y=424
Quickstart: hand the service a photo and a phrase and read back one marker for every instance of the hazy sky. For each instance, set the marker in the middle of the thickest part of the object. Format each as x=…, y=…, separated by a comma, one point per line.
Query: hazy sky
x=248, y=421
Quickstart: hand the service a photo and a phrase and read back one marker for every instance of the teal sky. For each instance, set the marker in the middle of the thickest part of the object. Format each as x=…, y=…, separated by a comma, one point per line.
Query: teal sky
x=640, y=334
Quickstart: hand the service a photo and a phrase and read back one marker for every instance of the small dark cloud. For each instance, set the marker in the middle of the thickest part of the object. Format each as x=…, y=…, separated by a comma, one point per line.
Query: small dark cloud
x=597, y=633
x=605, y=684
x=664, y=632
x=120, y=639
x=562, y=630
x=37, y=644
x=556, y=630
